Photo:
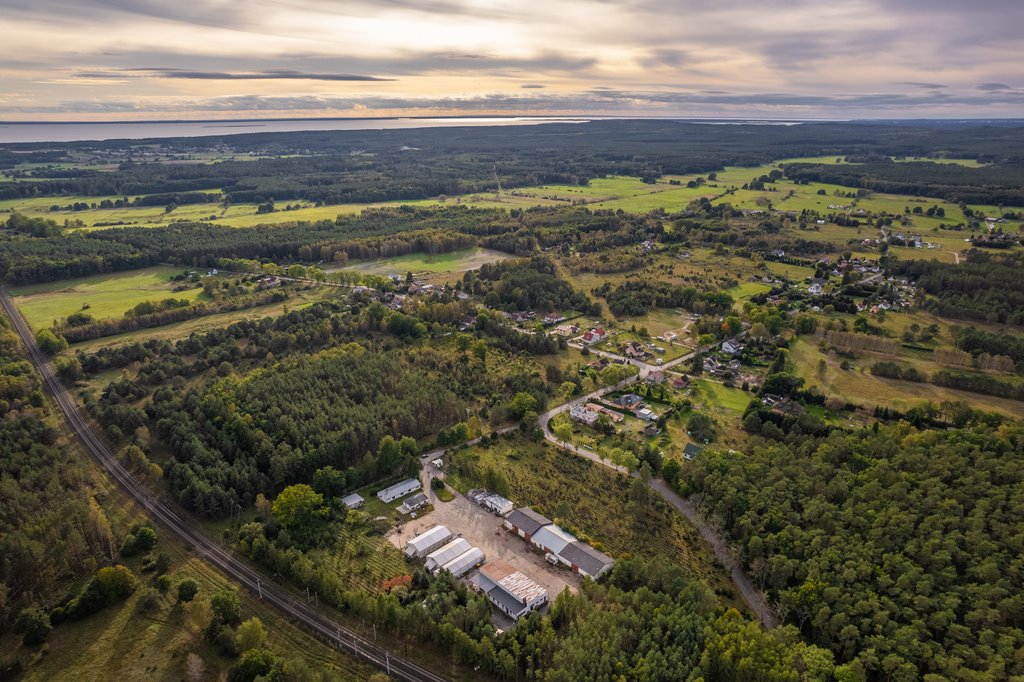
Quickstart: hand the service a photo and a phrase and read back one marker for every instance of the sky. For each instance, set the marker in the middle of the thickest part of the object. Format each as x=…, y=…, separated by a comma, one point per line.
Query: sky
x=201, y=59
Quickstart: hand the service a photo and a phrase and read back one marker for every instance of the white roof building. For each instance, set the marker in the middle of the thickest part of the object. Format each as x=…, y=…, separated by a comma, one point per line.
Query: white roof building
x=463, y=563
x=552, y=539
x=398, y=490
x=452, y=550
x=425, y=543
x=511, y=590
x=353, y=501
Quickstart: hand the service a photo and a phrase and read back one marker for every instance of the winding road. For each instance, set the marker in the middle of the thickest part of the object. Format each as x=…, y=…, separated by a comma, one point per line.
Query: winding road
x=687, y=508
x=190, y=532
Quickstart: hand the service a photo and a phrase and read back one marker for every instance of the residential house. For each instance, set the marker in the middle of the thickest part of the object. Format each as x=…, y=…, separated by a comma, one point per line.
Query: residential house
x=634, y=350
x=691, y=451
x=611, y=414
x=553, y=318
x=583, y=415
x=630, y=401
x=680, y=382
x=732, y=347
x=596, y=335
x=655, y=377
x=647, y=415
x=650, y=431
x=417, y=501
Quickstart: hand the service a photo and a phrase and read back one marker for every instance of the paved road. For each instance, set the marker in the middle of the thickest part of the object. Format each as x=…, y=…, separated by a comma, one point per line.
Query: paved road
x=189, y=532
x=719, y=546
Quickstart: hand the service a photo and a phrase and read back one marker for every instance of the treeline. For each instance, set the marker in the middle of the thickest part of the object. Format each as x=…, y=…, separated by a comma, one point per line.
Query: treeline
x=996, y=185
x=853, y=341
x=53, y=257
x=168, y=315
x=638, y=297
x=978, y=341
x=53, y=533
x=988, y=287
x=525, y=285
x=896, y=549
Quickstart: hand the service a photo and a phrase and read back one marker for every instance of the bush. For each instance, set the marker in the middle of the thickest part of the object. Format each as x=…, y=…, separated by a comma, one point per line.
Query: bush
x=34, y=625
x=142, y=540
x=254, y=663
x=187, y=590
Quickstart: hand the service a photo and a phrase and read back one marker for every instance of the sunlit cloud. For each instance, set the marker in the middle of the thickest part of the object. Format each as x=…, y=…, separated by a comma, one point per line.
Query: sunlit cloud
x=845, y=59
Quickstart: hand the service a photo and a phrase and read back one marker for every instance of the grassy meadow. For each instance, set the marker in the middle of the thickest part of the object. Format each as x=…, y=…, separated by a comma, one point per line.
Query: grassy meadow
x=102, y=296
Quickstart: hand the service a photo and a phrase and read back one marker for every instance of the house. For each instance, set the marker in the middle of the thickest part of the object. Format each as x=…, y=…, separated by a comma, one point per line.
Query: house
x=635, y=350
x=353, y=501
x=552, y=539
x=398, y=490
x=596, y=335
x=566, y=329
x=464, y=563
x=583, y=415
x=680, y=382
x=710, y=365
x=497, y=504
x=452, y=550
x=512, y=591
x=611, y=414
x=630, y=401
x=647, y=415
x=691, y=451
x=425, y=543
x=417, y=501
x=586, y=560
x=553, y=318
x=525, y=522
x=599, y=364
x=817, y=286
x=732, y=347
x=650, y=431
x=655, y=377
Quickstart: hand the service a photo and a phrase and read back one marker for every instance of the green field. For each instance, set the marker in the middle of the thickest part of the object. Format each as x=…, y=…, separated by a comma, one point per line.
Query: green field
x=102, y=296
x=427, y=266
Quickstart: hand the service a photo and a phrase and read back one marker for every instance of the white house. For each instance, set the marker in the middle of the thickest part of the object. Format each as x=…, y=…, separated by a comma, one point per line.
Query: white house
x=353, y=501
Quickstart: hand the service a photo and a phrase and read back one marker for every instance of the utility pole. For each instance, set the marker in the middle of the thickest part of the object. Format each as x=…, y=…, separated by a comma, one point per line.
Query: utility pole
x=259, y=588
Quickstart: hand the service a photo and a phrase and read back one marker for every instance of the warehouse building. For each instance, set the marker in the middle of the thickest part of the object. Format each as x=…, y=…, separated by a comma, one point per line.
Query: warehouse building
x=552, y=539
x=425, y=543
x=586, y=560
x=512, y=591
x=524, y=522
x=451, y=550
x=465, y=562
x=398, y=490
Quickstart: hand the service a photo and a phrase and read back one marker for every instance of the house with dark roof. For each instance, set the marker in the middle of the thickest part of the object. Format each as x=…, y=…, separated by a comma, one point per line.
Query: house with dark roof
x=691, y=451
x=525, y=522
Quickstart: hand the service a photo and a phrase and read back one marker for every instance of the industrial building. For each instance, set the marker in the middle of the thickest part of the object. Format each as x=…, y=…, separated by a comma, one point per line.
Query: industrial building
x=512, y=591
x=524, y=522
x=425, y=543
x=465, y=562
x=440, y=557
x=552, y=539
x=585, y=560
x=392, y=493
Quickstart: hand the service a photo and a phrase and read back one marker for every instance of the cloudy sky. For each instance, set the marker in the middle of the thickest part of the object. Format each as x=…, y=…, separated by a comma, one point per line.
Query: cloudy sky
x=158, y=59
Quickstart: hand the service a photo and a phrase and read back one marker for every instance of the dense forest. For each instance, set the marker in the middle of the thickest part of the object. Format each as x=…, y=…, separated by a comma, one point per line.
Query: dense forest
x=520, y=285
x=364, y=166
x=894, y=548
x=996, y=185
x=638, y=297
x=987, y=287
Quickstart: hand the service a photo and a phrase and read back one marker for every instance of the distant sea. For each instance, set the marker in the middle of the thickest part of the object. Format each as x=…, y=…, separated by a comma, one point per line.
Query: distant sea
x=131, y=130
